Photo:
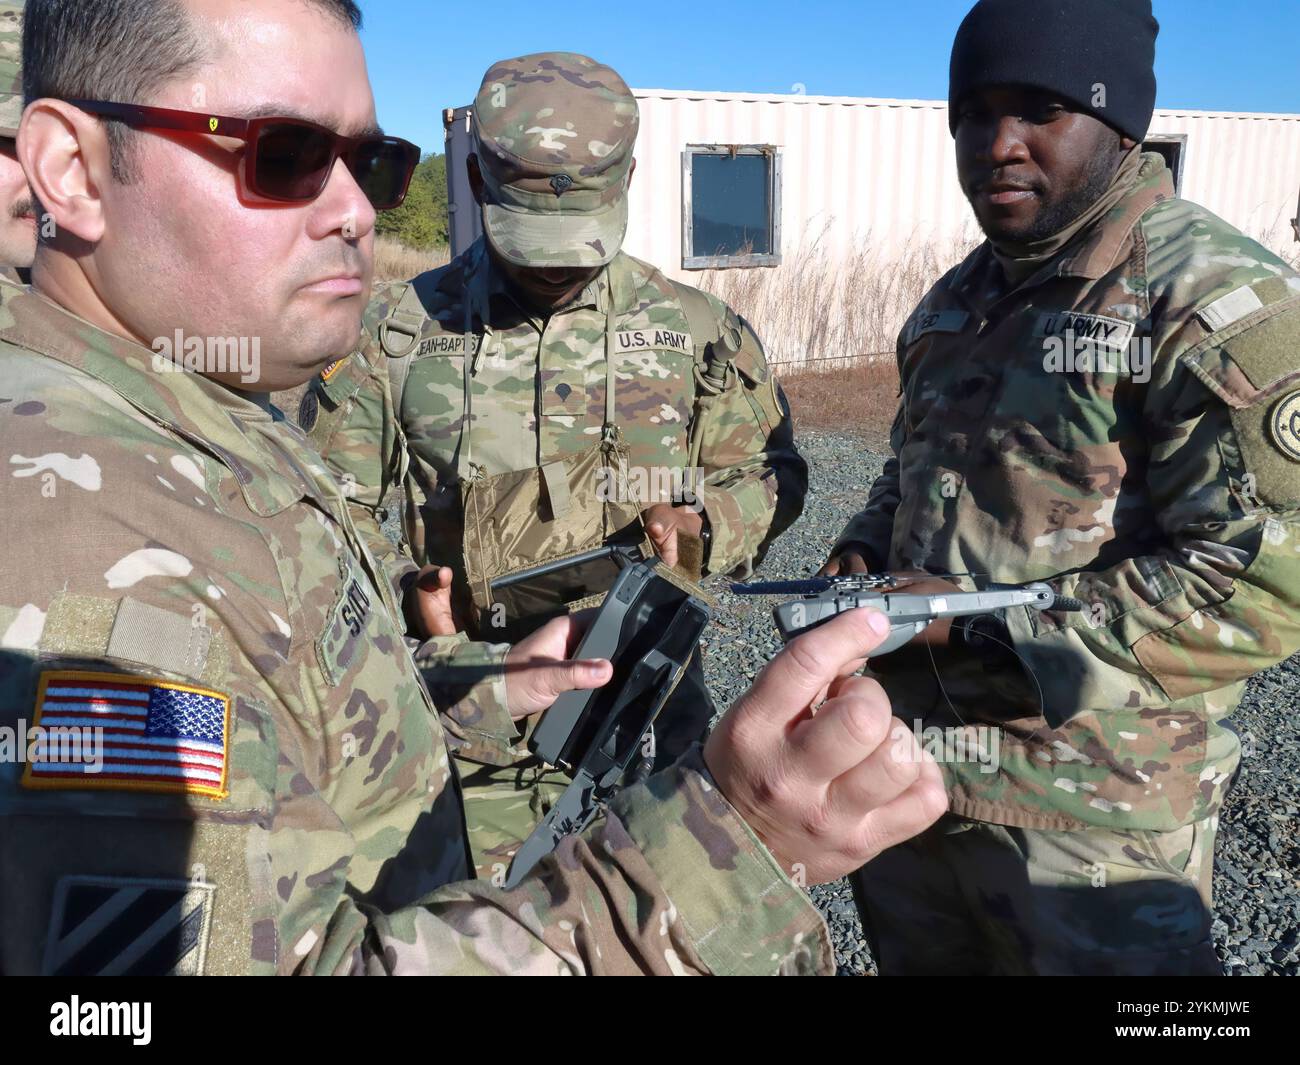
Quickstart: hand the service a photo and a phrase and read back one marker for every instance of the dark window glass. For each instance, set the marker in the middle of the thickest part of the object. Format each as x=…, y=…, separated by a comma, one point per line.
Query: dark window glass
x=730, y=205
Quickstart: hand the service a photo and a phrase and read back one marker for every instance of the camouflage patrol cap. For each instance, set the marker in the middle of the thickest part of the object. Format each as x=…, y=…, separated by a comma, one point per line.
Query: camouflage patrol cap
x=11, y=68
x=554, y=133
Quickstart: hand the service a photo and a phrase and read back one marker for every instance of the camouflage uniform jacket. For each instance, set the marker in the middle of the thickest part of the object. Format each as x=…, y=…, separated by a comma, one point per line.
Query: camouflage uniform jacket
x=540, y=396
x=1168, y=505
x=171, y=541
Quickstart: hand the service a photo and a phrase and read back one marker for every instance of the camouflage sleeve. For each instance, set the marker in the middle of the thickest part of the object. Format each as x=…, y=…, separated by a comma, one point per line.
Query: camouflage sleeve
x=467, y=682
x=272, y=792
x=873, y=526
x=348, y=417
x=262, y=877
x=671, y=883
x=1219, y=598
x=755, y=480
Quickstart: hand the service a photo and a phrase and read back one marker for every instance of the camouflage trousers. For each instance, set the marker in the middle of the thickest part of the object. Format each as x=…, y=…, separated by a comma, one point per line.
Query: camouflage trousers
x=503, y=804
x=971, y=898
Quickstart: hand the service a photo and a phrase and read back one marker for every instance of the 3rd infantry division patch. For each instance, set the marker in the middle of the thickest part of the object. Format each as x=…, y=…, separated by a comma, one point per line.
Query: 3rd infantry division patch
x=115, y=926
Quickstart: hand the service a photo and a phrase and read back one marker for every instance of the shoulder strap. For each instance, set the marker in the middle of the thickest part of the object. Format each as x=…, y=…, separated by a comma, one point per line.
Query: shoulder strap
x=700, y=316
x=399, y=336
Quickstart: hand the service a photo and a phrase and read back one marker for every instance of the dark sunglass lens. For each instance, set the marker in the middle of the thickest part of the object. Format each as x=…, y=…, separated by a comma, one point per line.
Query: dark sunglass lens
x=293, y=162
x=382, y=169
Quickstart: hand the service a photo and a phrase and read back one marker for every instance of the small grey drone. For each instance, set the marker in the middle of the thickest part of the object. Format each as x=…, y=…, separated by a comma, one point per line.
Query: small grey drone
x=909, y=613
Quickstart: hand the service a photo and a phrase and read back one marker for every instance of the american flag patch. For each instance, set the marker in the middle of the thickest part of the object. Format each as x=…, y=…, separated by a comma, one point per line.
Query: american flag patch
x=157, y=736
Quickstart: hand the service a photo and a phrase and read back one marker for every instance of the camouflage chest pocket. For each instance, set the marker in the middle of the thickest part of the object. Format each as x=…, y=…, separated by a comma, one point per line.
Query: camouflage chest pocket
x=1253, y=365
x=433, y=398
x=654, y=386
x=346, y=633
x=920, y=389
x=1070, y=374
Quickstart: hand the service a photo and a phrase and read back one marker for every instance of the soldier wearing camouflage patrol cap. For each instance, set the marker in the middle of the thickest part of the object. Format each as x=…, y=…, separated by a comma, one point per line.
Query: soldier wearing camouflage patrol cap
x=546, y=394
x=218, y=756
x=1105, y=396
x=17, y=214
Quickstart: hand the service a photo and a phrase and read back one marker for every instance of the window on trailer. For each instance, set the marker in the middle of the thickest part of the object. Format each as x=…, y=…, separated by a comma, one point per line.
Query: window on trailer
x=731, y=206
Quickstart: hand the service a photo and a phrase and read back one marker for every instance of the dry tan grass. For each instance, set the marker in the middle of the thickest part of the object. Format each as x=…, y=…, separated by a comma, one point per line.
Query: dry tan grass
x=823, y=307
x=396, y=262
x=859, y=398
x=829, y=321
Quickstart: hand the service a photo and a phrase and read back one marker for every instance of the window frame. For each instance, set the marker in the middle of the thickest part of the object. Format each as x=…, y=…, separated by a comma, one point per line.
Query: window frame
x=731, y=262
x=1179, y=139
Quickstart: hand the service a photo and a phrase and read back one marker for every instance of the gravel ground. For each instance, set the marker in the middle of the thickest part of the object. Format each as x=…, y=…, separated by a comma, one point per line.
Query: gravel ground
x=1257, y=862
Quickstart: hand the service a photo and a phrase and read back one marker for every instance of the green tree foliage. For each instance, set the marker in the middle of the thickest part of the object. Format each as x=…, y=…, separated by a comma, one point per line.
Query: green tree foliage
x=421, y=222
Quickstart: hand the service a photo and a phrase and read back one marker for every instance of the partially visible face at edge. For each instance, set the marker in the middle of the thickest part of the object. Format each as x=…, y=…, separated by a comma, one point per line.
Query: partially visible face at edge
x=181, y=251
x=1030, y=163
x=17, y=211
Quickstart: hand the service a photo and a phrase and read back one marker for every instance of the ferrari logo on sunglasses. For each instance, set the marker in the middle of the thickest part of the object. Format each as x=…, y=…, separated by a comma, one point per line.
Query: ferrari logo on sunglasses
x=212, y=124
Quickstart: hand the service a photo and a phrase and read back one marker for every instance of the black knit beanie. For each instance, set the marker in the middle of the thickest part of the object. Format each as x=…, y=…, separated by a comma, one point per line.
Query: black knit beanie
x=1098, y=54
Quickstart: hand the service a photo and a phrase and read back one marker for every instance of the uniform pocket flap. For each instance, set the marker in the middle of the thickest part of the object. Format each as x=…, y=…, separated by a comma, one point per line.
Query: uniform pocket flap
x=340, y=379
x=750, y=360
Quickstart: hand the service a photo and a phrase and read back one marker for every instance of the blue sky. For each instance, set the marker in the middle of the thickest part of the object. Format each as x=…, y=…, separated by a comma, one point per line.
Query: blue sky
x=425, y=55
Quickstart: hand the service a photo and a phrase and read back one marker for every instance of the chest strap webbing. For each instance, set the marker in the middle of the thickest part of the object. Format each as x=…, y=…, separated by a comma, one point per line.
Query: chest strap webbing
x=703, y=323
x=399, y=336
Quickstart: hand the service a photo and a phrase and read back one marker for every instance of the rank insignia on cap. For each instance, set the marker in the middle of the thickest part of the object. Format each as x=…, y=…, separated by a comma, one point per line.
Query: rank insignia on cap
x=331, y=369
x=115, y=926
x=131, y=733
x=561, y=183
x=1286, y=426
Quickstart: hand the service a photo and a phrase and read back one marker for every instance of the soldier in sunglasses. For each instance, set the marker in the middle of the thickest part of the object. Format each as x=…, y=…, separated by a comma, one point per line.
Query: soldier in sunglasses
x=233, y=766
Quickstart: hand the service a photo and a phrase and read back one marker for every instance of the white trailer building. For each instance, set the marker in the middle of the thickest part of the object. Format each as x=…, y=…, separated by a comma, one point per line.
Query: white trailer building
x=854, y=203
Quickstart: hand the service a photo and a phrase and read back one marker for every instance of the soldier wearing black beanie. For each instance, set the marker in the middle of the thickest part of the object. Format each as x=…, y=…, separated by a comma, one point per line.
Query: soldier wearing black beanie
x=1098, y=54
x=1080, y=399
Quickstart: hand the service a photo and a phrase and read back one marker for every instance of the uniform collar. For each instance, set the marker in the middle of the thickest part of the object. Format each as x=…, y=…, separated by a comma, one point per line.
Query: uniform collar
x=229, y=424
x=485, y=283
x=1091, y=256
x=1095, y=253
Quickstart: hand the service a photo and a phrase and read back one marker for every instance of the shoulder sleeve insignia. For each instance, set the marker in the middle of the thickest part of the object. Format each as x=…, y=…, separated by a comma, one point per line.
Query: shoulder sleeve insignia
x=308, y=412
x=119, y=732
x=1285, y=426
x=114, y=926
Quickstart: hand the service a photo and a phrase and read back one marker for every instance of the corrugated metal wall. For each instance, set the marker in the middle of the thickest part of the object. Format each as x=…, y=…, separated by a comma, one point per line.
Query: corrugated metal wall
x=883, y=170
x=852, y=169
x=1243, y=167
x=876, y=180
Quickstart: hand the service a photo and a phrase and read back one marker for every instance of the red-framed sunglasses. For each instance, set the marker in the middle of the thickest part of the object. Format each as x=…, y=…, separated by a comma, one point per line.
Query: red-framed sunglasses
x=289, y=160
